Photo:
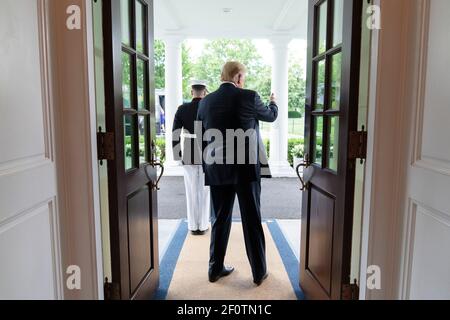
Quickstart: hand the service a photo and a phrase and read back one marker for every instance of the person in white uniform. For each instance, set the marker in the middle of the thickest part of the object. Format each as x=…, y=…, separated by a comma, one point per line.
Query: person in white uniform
x=197, y=194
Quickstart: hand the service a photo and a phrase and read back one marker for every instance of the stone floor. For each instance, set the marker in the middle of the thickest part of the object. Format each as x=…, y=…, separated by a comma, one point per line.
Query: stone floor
x=280, y=199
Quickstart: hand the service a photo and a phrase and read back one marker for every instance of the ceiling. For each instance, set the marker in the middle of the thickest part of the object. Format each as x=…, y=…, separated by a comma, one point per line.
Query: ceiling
x=206, y=19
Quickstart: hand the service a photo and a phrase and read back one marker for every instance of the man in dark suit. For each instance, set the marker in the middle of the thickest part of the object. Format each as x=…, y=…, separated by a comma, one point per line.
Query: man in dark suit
x=235, y=169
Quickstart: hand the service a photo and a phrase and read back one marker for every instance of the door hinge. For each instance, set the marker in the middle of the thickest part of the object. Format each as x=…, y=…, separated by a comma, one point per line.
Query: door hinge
x=357, y=148
x=105, y=145
x=111, y=290
x=350, y=291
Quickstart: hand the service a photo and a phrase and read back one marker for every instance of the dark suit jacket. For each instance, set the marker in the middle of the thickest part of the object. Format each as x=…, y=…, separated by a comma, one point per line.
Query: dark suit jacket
x=234, y=108
x=184, y=119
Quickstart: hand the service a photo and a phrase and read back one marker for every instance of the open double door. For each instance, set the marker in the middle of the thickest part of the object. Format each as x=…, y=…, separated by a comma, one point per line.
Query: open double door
x=334, y=34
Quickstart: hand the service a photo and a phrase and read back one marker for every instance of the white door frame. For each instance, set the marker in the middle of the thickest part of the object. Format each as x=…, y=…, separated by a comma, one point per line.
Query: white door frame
x=387, y=148
x=394, y=50
x=72, y=80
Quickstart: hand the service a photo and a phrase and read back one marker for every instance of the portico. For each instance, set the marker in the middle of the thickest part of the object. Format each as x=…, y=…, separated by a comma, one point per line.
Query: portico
x=176, y=21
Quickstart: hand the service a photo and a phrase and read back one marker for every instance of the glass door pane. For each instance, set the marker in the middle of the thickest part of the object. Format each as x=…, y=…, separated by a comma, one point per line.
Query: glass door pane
x=318, y=140
x=322, y=28
x=129, y=142
x=338, y=17
x=141, y=83
x=125, y=21
x=333, y=143
x=143, y=139
x=320, y=86
x=126, y=80
x=140, y=27
x=335, y=90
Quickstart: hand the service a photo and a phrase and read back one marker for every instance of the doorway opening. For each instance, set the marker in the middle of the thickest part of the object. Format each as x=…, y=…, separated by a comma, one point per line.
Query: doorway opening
x=200, y=60
x=281, y=196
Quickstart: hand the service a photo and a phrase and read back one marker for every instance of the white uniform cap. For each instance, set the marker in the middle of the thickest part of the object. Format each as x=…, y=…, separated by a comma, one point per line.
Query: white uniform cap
x=198, y=83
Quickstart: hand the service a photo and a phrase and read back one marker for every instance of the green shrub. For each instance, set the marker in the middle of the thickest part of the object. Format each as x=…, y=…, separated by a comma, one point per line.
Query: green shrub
x=161, y=149
x=292, y=143
x=298, y=151
x=294, y=115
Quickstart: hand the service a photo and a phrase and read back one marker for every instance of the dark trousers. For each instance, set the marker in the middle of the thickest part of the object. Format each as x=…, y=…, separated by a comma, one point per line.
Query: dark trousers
x=222, y=202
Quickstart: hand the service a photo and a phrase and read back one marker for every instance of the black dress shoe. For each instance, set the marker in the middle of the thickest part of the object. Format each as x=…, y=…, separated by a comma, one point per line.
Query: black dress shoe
x=225, y=272
x=199, y=232
x=260, y=281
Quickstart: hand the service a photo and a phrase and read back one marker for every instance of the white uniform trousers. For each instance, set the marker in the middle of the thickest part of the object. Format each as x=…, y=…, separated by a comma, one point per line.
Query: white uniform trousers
x=197, y=198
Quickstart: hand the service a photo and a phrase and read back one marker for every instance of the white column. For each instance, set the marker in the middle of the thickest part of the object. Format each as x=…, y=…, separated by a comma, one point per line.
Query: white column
x=279, y=164
x=173, y=94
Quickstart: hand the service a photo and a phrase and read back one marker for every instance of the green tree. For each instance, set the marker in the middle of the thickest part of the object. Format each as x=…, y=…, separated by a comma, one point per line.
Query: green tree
x=160, y=60
x=297, y=87
x=209, y=65
x=187, y=67
x=217, y=52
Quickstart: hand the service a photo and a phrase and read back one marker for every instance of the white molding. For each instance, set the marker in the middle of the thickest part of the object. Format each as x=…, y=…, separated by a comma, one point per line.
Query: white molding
x=419, y=159
x=408, y=240
x=421, y=81
x=436, y=165
x=408, y=248
x=90, y=56
x=47, y=206
x=22, y=216
x=367, y=226
x=24, y=164
x=47, y=101
x=437, y=215
x=367, y=223
x=75, y=150
x=36, y=160
x=384, y=185
x=48, y=112
x=56, y=247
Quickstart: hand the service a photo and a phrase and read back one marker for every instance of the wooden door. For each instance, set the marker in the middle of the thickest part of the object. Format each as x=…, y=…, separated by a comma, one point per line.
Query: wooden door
x=331, y=115
x=130, y=118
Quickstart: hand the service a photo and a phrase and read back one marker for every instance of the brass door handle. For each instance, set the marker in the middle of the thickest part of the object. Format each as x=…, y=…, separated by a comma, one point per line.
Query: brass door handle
x=154, y=163
x=156, y=184
x=305, y=164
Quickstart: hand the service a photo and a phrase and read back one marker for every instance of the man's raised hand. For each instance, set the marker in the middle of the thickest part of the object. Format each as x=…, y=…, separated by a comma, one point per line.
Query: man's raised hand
x=273, y=98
